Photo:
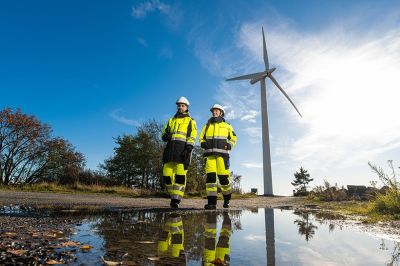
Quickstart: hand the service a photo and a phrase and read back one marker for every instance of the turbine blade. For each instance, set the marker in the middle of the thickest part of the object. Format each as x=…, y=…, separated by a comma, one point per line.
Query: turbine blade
x=265, y=51
x=284, y=93
x=249, y=76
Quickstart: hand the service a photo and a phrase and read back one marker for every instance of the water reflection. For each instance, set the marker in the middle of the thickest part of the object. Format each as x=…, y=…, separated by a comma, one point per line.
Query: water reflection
x=395, y=254
x=270, y=236
x=217, y=254
x=171, y=241
x=305, y=227
x=274, y=237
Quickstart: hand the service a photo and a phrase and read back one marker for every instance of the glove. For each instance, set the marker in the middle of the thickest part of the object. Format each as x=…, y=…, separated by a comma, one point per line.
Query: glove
x=188, y=148
x=166, y=137
x=228, y=146
x=186, y=156
x=186, y=152
x=204, y=145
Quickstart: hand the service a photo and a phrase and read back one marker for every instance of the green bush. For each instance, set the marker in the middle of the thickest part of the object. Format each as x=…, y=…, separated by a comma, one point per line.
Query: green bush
x=327, y=192
x=388, y=203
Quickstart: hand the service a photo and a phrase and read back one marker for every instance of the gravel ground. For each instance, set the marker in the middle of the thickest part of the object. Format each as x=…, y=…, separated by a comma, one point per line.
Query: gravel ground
x=36, y=241
x=112, y=201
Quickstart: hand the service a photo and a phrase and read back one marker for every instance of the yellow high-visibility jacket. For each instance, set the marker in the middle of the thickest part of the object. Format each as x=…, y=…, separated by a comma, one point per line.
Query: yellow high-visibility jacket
x=178, y=132
x=217, y=137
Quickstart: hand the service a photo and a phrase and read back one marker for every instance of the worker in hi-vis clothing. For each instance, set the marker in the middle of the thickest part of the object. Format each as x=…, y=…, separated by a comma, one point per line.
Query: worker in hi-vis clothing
x=220, y=254
x=217, y=138
x=170, y=242
x=180, y=135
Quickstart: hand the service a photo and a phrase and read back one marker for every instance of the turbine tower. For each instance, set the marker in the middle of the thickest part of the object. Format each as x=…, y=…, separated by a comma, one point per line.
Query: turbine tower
x=254, y=78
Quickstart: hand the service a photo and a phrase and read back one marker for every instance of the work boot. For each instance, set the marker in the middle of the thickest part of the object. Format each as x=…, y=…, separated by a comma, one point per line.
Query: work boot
x=227, y=198
x=212, y=203
x=174, y=203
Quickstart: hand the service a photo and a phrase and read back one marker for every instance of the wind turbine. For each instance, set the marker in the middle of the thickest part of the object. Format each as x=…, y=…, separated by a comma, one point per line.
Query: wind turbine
x=254, y=78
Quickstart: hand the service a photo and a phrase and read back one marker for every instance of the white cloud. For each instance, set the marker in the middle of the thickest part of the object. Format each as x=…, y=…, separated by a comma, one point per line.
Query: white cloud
x=253, y=131
x=142, y=42
x=252, y=165
x=142, y=9
x=239, y=103
x=172, y=15
x=254, y=134
x=115, y=114
x=347, y=87
x=255, y=237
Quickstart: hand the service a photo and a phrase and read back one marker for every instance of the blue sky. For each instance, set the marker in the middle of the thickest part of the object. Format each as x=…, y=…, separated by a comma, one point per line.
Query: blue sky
x=96, y=69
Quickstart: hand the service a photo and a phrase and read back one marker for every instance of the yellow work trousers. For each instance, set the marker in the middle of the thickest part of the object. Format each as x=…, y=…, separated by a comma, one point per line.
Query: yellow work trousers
x=215, y=166
x=174, y=175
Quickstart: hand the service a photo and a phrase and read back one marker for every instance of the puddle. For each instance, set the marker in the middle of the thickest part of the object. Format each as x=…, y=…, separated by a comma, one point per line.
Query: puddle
x=258, y=237
x=235, y=237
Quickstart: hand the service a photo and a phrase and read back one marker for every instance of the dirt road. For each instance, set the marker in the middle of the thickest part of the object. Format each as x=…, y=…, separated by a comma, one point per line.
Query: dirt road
x=112, y=201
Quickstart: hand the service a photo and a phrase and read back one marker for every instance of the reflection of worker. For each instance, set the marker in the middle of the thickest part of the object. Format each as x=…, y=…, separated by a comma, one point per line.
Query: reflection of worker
x=219, y=254
x=180, y=135
x=170, y=243
x=217, y=138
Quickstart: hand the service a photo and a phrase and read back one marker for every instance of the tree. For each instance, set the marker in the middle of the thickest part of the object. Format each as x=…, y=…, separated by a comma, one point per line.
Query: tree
x=235, y=183
x=150, y=165
x=301, y=180
x=196, y=174
x=23, y=147
x=28, y=154
x=137, y=159
x=64, y=164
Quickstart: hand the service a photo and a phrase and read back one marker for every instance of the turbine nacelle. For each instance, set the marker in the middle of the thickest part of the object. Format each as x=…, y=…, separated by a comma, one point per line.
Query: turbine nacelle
x=262, y=76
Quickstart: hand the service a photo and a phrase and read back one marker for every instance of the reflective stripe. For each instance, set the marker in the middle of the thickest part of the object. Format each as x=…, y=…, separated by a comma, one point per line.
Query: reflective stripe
x=190, y=138
x=209, y=234
x=211, y=193
x=174, y=220
x=211, y=185
x=176, y=197
x=175, y=229
x=216, y=150
x=180, y=188
x=215, y=137
x=227, y=228
x=179, y=139
x=180, y=133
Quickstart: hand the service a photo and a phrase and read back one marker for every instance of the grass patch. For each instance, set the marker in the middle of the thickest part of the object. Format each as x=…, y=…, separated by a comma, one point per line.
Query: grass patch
x=80, y=188
x=365, y=209
x=113, y=190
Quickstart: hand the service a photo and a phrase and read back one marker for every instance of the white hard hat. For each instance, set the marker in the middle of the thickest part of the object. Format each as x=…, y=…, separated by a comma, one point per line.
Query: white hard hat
x=217, y=106
x=183, y=100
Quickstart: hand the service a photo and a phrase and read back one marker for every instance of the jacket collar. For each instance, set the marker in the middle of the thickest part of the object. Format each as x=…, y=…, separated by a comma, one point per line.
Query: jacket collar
x=216, y=120
x=180, y=115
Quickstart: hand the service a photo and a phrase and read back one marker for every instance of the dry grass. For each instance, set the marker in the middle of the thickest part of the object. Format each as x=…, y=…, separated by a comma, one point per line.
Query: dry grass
x=115, y=190
x=80, y=188
x=365, y=209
